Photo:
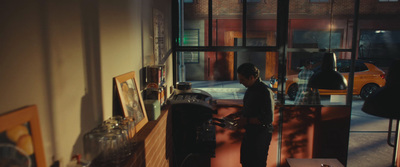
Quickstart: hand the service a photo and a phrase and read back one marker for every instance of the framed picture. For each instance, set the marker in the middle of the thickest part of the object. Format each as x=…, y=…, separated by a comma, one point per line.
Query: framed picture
x=130, y=99
x=21, y=139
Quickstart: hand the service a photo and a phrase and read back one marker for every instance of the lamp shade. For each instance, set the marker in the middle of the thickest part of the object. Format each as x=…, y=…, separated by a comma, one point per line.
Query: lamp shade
x=328, y=77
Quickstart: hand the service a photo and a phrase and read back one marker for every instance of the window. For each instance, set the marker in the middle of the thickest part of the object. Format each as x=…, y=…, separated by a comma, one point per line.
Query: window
x=191, y=38
x=379, y=46
x=188, y=1
x=360, y=67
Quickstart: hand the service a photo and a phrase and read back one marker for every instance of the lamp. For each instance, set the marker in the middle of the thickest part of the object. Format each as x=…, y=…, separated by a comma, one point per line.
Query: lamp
x=328, y=77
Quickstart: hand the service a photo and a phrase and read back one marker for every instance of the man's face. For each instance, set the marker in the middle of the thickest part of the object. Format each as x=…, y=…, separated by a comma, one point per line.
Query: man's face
x=247, y=82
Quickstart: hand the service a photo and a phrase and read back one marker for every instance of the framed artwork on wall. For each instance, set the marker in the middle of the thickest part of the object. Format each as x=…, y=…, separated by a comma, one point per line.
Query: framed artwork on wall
x=129, y=99
x=21, y=139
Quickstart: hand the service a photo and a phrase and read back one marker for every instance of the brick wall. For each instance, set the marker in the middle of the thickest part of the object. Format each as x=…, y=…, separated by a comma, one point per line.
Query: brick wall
x=152, y=148
x=233, y=8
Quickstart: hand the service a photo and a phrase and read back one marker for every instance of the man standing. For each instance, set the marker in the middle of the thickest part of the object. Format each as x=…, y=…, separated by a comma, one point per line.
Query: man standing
x=306, y=95
x=256, y=117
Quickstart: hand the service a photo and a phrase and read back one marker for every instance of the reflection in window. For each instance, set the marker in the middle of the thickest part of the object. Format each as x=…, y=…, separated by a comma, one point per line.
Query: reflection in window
x=319, y=39
x=191, y=38
x=379, y=46
x=312, y=39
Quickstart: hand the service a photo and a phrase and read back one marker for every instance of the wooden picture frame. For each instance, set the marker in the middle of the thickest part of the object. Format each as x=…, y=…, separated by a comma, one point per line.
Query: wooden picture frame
x=20, y=137
x=130, y=99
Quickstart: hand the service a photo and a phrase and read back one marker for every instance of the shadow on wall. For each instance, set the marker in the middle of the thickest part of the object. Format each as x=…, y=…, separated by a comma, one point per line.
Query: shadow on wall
x=91, y=103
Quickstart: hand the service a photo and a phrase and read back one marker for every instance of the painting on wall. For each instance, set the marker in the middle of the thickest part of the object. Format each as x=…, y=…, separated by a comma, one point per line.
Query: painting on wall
x=20, y=138
x=130, y=99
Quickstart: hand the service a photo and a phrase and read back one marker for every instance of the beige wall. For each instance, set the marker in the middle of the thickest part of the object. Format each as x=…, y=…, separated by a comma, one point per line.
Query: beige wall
x=62, y=56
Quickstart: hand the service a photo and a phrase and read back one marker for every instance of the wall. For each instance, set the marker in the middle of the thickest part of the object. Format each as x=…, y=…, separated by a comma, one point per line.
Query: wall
x=62, y=56
x=154, y=144
x=298, y=8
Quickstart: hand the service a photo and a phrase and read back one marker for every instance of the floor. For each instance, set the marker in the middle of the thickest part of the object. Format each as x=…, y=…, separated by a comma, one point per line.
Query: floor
x=368, y=134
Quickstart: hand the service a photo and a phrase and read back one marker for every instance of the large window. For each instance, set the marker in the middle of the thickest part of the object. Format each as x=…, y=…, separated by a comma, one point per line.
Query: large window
x=191, y=38
x=281, y=38
x=379, y=46
x=216, y=38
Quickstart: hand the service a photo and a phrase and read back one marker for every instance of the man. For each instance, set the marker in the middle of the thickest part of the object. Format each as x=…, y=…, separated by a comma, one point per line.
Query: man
x=256, y=117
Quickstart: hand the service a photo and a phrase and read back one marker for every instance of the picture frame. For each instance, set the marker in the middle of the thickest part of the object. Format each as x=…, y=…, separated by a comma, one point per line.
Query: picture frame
x=21, y=138
x=129, y=99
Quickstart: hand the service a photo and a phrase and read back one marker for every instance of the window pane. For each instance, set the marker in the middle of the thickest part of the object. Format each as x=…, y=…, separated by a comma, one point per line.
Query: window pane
x=216, y=71
x=302, y=66
x=379, y=46
x=191, y=38
x=226, y=23
x=320, y=23
x=193, y=19
x=261, y=22
x=317, y=39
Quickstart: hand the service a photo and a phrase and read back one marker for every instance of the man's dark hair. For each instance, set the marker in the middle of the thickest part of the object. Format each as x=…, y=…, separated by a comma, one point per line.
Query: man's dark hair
x=248, y=69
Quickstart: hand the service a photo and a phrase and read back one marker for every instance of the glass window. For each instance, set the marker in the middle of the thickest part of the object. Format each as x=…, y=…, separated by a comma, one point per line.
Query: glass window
x=317, y=39
x=216, y=71
x=379, y=46
x=308, y=41
x=191, y=38
x=188, y=1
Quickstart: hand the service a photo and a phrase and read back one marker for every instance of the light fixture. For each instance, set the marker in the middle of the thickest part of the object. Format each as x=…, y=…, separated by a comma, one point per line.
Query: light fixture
x=328, y=77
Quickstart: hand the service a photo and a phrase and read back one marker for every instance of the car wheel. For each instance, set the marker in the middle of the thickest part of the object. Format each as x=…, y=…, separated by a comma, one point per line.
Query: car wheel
x=367, y=90
x=292, y=91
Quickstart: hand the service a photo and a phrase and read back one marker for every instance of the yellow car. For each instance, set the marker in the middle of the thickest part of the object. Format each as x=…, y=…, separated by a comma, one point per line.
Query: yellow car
x=367, y=79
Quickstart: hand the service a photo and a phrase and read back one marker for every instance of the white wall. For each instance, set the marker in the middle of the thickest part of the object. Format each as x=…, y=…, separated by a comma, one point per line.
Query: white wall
x=62, y=56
